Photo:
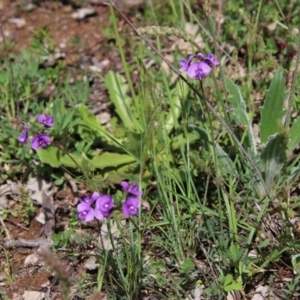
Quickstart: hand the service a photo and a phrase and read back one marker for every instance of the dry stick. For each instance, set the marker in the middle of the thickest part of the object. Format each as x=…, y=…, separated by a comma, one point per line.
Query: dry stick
x=214, y=112
x=21, y=243
x=18, y=225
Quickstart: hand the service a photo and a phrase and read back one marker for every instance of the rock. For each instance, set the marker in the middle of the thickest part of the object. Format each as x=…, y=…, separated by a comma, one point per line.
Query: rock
x=32, y=295
x=36, y=186
x=104, y=117
x=90, y=263
x=31, y=260
x=8, y=189
x=83, y=12
x=19, y=22
x=261, y=293
x=3, y=202
x=41, y=218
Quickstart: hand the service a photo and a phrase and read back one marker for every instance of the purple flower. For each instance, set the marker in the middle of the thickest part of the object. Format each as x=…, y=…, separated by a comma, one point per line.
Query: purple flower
x=198, y=70
x=131, y=207
x=209, y=59
x=40, y=141
x=104, y=206
x=23, y=138
x=95, y=196
x=46, y=120
x=184, y=64
x=85, y=212
x=86, y=199
x=131, y=189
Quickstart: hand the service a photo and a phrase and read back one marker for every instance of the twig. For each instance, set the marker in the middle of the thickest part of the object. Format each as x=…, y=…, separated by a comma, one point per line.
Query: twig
x=49, y=211
x=17, y=224
x=19, y=243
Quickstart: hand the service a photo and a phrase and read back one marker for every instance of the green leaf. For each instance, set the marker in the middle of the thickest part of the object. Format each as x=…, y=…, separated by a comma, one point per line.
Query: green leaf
x=296, y=263
x=272, y=111
x=235, y=286
x=179, y=93
x=235, y=98
x=90, y=122
x=240, y=114
x=273, y=156
x=117, y=90
x=225, y=163
x=294, y=136
x=53, y=157
x=264, y=243
x=228, y=279
x=231, y=285
x=187, y=266
x=111, y=160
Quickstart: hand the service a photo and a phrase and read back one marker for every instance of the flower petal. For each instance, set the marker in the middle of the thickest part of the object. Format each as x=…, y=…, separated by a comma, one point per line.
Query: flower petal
x=98, y=214
x=130, y=207
x=105, y=204
x=95, y=196
x=41, y=140
x=90, y=215
x=199, y=70
x=183, y=65
x=124, y=185
x=23, y=138
x=41, y=119
x=49, y=121
x=35, y=143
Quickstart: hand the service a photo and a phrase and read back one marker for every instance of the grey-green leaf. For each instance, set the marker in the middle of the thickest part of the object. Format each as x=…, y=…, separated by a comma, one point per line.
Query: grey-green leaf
x=240, y=114
x=274, y=157
x=117, y=91
x=294, y=136
x=272, y=111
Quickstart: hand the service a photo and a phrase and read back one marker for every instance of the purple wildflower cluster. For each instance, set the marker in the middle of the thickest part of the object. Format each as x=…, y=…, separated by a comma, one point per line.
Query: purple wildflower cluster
x=101, y=206
x=40, y=140
x=199, y=69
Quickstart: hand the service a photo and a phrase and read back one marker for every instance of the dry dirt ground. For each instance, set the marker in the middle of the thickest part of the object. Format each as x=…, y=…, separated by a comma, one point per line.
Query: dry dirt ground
x=94, y=49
